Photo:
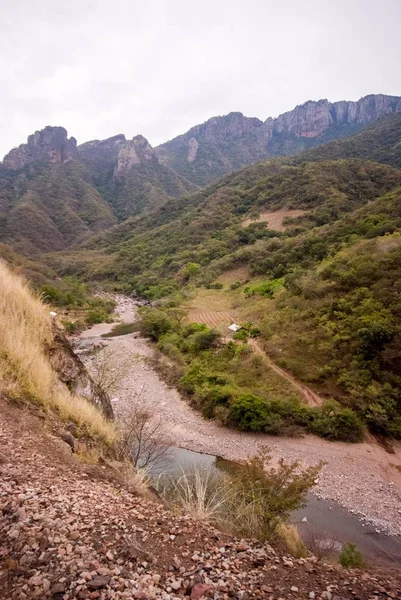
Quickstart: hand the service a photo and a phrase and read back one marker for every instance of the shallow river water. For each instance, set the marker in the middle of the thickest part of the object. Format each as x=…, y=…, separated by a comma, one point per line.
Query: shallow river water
x=335, y=521
x=327, y=517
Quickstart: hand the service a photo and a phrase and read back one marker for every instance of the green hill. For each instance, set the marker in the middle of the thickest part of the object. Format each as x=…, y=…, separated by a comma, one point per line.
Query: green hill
x=49, y=207
x=322, y=283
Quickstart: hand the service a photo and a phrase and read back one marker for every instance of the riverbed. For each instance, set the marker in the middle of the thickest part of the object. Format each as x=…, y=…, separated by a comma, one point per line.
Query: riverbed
x=358, y=493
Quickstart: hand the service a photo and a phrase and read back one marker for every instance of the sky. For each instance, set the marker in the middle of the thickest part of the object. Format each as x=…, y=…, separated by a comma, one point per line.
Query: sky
x=157, y=68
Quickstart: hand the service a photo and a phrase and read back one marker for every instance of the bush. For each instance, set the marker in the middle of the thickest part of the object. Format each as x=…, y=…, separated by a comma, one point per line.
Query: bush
x=249, y=412
x=336, y=423
x=267, y=497
x=217, y=285
x=97, y=316
x=154, y=323
x=241, y=335
x=73, y=326
x=202, y=340
x=235, y=285
x=249, y=499
x=211, y=396
x=350, y=557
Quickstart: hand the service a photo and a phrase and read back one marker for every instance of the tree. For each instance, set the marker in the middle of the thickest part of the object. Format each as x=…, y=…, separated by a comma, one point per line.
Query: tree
x=142, y=437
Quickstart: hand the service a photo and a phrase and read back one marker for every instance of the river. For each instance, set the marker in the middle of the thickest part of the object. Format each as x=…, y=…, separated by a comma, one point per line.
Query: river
x=357, y=497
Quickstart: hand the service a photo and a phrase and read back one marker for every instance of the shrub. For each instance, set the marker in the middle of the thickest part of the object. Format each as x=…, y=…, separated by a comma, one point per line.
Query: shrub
x=249, y=412
x=73, y=326
x=336, y=423
x=154, y=323
x=249, y=499
x=211, y=396
x=235, y=285
x=202, y=340
x=191, y=269
x=350, y=557
x=267, y=496
x=241, y=335
x=195, y=377
x=97, y=316
x=217, y=285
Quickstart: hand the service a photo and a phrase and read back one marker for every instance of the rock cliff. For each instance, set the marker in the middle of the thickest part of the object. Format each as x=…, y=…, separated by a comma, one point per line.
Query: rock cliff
x=72, y=372
x=132, y=153
x=313, y=118
x=222, y=144
x=50, y=145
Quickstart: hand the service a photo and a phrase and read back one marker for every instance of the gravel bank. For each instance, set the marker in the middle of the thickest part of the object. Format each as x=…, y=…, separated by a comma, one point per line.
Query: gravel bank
x=362, y=478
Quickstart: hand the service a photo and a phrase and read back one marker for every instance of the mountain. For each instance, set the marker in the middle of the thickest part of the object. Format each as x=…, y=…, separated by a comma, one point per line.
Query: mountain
x=130, y=176
x=53, y=194
x=50, y=145
x=379, y=141
x=223, y=144
x=307, y=250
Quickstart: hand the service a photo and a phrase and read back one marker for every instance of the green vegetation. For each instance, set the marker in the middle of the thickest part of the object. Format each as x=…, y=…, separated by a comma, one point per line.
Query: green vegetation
x=350, y=557
x=73, y=295
x=253, y=499
x=231, y=383
x=50, y=207
x=322, y=292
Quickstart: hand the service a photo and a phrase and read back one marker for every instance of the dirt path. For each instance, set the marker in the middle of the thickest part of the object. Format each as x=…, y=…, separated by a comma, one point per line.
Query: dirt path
x=220, y=319
x=310, y=397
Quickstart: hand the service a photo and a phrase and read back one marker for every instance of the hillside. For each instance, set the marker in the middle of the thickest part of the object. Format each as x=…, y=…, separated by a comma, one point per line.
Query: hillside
x=85, y=524
x=379, y=141
x=223, y=144
x=130, y=176
x=53, y=195
x=73, y=530
x=320, y=282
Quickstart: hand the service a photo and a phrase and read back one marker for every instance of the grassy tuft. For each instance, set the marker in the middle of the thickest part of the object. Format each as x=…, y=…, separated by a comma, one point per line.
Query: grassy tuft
x=25, y=370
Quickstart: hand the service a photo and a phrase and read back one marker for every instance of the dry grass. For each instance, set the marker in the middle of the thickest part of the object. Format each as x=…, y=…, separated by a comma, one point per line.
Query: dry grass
x=214, y=300
x=274, y=219
x=202, y=494
x=289, y=534
x=237, y=274
x=25, y=371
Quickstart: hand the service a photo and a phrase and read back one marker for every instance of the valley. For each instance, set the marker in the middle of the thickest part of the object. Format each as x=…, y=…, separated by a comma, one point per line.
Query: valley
x=363, y=478
x=144, y=258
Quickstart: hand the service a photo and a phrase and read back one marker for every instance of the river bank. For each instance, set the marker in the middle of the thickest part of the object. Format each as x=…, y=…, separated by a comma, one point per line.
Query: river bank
x=362, y=478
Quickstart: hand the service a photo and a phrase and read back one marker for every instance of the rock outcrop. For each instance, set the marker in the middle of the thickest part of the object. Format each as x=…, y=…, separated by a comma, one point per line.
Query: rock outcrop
x=72, y=372
x=222, y=144
x=50, y=145
x=313, y=118
x=131, y=153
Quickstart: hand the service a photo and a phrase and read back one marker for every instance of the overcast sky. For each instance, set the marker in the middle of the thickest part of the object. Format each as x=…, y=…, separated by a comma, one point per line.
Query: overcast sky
x=159, y=67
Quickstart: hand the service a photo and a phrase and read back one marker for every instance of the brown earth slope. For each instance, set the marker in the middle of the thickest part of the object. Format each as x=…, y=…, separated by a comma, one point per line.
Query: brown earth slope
x=68, y=531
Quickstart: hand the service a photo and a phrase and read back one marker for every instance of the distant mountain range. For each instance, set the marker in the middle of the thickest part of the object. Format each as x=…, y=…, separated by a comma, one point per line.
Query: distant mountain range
x=53, y=193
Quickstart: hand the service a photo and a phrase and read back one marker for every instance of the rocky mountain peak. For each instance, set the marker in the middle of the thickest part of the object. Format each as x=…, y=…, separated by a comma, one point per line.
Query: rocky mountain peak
x=235, y=124
x=50, y=145
x=131, y=153
x=313, y=118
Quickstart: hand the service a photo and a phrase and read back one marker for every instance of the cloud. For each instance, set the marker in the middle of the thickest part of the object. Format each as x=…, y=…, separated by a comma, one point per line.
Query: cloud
x=100, y=68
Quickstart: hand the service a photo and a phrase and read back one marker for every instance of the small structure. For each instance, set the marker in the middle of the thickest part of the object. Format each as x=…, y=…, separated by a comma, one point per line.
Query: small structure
x=234, y=327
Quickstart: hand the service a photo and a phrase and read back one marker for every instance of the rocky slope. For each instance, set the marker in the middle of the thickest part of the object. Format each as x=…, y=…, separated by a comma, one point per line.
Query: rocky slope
x=50, y=145
x=75, y=532
x=222, y=144
x=53, y=195
x=130, y=176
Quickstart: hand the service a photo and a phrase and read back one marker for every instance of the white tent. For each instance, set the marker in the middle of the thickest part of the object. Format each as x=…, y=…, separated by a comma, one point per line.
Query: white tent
x=234, y=327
